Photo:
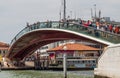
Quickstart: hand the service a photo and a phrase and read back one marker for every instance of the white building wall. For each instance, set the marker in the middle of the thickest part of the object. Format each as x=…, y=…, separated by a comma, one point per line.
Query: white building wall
x=109, y=62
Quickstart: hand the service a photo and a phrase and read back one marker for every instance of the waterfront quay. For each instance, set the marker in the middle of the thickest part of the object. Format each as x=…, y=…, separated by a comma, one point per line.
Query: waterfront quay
x=31, y=72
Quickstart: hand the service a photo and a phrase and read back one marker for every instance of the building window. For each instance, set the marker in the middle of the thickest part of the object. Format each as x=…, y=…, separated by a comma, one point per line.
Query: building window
x=83, y=62
x=4, y=52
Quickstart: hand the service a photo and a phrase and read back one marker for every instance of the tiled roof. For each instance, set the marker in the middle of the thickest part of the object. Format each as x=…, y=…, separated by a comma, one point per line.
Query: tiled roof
x=78, y=47
x=3, y=48
x=3, y=44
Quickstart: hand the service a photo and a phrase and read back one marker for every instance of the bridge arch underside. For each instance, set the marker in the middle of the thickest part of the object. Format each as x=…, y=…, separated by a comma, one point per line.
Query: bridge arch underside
x=31, y=41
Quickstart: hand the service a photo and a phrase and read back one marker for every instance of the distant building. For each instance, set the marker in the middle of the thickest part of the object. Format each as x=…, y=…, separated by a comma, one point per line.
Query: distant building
x=78, y=55
x=43, y=49
x=107, y=19
x=3, y=48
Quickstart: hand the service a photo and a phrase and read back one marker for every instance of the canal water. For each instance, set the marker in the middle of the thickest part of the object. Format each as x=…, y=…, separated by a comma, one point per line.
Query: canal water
x=45, y=74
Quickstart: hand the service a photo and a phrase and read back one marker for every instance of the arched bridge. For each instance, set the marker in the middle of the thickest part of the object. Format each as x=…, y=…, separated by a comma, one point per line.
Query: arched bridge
x=34, y=36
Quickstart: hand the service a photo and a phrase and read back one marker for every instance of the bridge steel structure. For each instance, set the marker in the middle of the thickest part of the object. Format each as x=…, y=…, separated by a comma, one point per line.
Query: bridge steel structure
x=39, y=34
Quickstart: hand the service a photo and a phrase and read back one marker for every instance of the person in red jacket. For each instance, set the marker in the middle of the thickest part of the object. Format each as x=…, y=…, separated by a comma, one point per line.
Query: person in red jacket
x=110, y=28
x=116, y=29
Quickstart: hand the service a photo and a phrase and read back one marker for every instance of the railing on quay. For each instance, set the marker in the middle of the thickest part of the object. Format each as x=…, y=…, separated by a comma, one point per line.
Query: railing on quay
x=90, y=31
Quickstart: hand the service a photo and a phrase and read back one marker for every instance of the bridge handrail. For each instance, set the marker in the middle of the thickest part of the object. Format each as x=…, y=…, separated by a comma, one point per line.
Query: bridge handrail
x=61, y=25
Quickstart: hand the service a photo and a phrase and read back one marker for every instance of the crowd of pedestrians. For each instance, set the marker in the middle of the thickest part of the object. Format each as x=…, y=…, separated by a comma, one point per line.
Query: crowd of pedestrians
x=103, y=26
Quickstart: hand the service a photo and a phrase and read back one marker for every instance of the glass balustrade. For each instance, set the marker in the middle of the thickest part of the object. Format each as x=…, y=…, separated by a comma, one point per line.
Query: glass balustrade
x=89, y=31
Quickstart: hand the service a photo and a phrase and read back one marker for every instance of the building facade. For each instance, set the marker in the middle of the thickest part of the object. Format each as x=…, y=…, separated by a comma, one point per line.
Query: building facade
x=78, y=56
x=3, y=49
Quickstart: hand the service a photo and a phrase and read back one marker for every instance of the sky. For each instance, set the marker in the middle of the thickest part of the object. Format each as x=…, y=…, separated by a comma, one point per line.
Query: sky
x=14, y=14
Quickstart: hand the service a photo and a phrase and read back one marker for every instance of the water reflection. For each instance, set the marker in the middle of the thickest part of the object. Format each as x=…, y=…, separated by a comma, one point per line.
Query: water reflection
x=45, y=74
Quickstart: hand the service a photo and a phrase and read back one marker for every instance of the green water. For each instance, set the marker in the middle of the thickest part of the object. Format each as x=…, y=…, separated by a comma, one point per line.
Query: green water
x=45, y=74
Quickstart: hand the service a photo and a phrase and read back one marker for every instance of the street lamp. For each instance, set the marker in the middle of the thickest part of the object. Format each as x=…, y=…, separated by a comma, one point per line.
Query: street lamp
x=65, y=62
x=64, y=11
x=71, y=14
x=95, y=10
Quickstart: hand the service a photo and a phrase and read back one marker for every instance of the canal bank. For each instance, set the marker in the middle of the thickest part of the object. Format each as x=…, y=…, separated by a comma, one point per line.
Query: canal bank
x=50, y=68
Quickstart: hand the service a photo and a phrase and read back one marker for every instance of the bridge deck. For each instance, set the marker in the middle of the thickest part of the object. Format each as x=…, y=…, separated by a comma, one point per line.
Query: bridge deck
x=88, y=32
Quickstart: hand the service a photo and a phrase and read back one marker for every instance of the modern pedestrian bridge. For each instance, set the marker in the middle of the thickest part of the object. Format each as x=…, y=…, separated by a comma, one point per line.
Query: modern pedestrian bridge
x=39, y=34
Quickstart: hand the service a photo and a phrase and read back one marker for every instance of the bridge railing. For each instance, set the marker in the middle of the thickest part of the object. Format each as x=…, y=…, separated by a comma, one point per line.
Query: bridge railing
x=90, y=31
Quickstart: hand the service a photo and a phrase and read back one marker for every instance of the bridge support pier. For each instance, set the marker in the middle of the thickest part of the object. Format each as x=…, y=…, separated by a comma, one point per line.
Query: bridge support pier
x=37, y=64
x=43, y=65
x=18, y=62
x=7, y=62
